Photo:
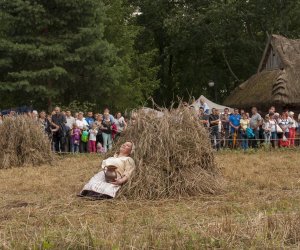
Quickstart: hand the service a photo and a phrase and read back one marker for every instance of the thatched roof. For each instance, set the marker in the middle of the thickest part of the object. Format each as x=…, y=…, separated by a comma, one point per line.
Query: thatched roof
x=278, y=78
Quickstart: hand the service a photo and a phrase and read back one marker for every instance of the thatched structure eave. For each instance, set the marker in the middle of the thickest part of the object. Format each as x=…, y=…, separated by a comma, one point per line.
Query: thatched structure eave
x=277, y=81
x=256, y=91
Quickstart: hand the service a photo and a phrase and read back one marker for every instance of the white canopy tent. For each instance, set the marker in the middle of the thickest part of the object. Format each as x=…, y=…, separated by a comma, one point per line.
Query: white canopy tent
x=210, y=104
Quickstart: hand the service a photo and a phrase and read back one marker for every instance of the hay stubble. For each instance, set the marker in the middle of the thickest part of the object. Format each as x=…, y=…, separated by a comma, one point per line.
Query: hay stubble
x=259, y=209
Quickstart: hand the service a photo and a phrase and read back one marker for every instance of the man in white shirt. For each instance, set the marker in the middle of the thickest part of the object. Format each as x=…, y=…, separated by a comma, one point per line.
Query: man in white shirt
x=255, y=121
x=70, y=119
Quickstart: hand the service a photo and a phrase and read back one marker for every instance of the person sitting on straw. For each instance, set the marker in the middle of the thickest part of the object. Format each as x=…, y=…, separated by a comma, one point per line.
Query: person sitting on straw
x=115, y=172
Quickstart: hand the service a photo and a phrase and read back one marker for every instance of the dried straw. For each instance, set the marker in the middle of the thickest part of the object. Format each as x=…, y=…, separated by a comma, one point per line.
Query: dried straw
x=173, y=156
x=23, y=142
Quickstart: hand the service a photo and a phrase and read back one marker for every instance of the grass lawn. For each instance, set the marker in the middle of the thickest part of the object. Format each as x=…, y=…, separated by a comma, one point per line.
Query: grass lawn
x=259, y=208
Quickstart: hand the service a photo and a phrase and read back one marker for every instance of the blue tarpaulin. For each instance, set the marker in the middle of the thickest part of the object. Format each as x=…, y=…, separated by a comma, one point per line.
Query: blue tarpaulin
x=18, y=110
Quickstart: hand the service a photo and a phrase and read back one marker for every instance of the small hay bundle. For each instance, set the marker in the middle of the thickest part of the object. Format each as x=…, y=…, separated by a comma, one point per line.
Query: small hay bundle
x=173, y=156
x=23, y=142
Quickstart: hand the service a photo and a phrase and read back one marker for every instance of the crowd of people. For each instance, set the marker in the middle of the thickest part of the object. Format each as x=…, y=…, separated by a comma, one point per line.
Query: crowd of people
x=75, y=133
x=95, y=133
x=240, y=129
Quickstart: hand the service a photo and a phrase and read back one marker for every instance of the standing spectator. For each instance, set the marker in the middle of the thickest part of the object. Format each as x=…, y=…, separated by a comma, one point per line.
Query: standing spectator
x=214, y=121
x=107, y=132
x=1, y=119
x=255, y=122
x=92, y=138
x=242, y=111
x=53, y=130
x=75, y=138
x=204, y=105
x=203, y=118
x=70, y=121
x=96, y=116
x=267, y=130
x=35, y=115
x=59, y=135
x=272, y=110
x=292, y=129
x=120, y=124
x=111, y=117
x=234, y=122
x=244, y=123
x=76, y=115
x=273, y=127
x=261, y=133
x=185, y=104
x=98, y=122
x=81, y=122
x=225, y=125
x=284, y=124
x=44, y=122
x=90, y=119
x=84, y=140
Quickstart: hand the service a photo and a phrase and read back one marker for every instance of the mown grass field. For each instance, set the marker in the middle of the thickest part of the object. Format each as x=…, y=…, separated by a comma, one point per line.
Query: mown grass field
x=259, y=208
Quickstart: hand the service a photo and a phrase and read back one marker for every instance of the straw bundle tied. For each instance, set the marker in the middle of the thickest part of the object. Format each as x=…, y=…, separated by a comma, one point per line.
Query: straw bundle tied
x=173, y=156
x=23, y=142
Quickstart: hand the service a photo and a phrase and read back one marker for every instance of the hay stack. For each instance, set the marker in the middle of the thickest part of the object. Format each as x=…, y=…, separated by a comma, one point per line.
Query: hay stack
x=23, y=142
x=173, y=156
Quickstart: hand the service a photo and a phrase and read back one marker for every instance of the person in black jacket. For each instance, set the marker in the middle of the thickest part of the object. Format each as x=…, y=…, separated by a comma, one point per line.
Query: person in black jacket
x=59, y=136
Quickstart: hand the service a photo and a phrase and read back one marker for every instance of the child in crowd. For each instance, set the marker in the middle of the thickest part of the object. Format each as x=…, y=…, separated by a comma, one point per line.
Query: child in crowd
x=92, y=138
x=84, y=140
x=244, y=123
x=75, y=138
x=100, y=149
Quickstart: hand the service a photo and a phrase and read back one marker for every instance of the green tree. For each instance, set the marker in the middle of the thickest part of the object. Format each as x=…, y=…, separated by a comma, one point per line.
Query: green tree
x=137, y=73
x=52, y=50
x=59, y=51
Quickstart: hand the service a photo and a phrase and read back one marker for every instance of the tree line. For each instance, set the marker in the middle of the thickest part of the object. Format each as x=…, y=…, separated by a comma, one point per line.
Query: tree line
x=120, y=52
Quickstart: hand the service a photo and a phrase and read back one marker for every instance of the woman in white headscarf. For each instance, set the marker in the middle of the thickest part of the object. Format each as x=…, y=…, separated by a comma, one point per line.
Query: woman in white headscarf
x=98, y=187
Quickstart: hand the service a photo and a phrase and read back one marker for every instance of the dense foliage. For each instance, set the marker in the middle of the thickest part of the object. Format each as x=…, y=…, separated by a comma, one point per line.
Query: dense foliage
x=218, y=40
x=59, y=51
x=120, y=52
